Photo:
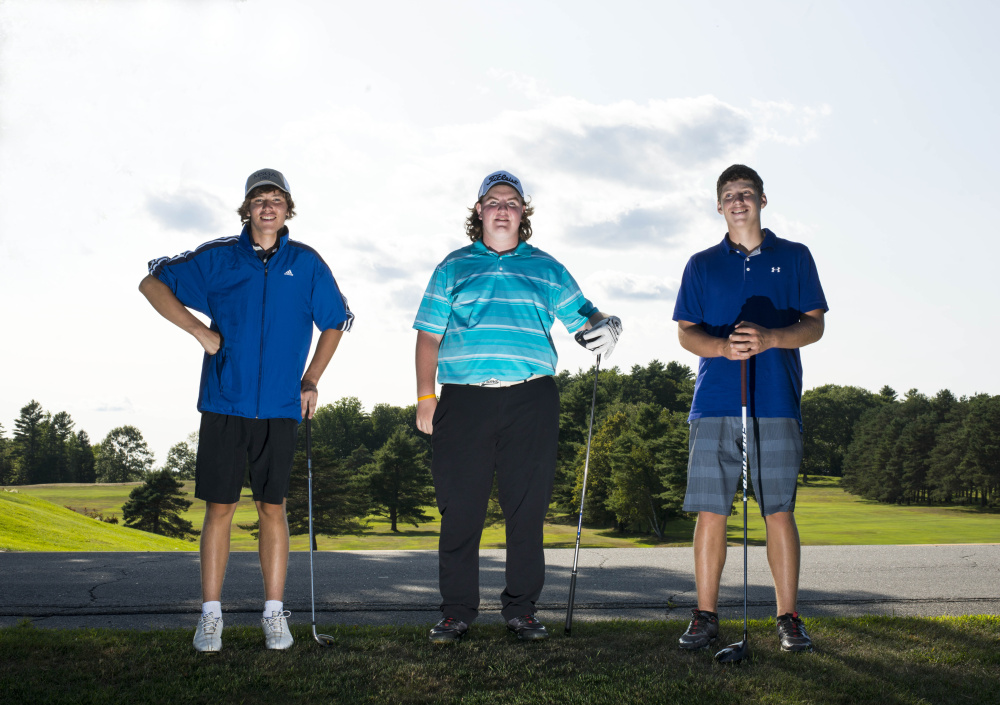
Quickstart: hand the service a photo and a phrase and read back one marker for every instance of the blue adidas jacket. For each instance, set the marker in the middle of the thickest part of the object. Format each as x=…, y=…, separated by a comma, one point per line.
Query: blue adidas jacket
x=265, y=314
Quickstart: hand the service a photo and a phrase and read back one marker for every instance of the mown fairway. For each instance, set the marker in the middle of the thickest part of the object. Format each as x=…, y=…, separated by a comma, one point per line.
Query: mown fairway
x=826, y=515
x=884, y=660
x=28, y=523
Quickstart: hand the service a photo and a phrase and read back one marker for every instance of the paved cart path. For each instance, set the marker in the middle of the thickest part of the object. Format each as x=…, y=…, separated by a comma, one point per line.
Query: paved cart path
x=161, y=590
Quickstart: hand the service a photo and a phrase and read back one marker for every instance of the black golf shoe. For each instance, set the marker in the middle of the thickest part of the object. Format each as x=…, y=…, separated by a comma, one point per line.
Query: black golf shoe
x=527, y=628
x=702, y=631
x=448, y=631
x=792, y=633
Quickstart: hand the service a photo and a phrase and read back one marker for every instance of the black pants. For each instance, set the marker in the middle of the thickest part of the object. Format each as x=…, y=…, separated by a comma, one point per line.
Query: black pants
x=513, y=432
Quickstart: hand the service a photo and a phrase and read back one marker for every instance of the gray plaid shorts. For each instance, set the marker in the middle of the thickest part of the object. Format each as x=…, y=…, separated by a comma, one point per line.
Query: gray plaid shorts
x=715, y=463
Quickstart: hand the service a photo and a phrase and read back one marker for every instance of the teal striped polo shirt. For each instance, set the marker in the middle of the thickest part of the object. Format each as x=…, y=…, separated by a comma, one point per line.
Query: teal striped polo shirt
x=496, y=313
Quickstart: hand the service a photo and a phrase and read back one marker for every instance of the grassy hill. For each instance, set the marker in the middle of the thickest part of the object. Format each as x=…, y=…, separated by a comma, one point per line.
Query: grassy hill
x=826, y=515
x=29, y=523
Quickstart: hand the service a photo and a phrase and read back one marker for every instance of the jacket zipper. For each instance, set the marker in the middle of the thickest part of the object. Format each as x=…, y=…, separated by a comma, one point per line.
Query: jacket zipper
x=260, y=368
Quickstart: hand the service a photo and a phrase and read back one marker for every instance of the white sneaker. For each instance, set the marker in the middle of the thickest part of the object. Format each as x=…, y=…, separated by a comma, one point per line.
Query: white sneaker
x=276, y=634
x=208, y=633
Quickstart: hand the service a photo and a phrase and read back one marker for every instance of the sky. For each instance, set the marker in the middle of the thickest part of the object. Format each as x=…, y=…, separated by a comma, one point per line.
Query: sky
x=128, y=129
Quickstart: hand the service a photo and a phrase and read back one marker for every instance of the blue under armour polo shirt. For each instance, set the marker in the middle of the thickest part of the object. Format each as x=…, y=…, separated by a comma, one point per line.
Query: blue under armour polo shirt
x=772, y=287
x=496, y=313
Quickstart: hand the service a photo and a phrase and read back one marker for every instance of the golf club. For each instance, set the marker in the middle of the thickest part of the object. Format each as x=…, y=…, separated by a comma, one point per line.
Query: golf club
x=321, y=639
x=583, y=494
x=734, y=653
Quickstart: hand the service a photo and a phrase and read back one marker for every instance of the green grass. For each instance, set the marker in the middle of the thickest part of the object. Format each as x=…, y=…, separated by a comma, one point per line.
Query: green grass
x=826, y=515
x=885, y=660
x=829, y=516
x=29, y=523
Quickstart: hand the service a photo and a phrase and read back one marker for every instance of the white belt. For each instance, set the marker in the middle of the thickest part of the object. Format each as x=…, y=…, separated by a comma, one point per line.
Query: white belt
x=498, y=383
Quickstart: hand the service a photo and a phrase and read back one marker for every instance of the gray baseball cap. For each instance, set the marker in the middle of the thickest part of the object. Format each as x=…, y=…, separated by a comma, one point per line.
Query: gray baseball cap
x=500, y=177
x=267, y=177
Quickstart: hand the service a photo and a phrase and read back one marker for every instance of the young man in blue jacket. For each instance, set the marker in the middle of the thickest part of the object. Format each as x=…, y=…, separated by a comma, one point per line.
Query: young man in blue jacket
x=263, y=293
x=757, y=298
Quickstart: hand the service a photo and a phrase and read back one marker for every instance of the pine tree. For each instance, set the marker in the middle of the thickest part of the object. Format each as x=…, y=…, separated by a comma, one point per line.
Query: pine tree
x=597, y=508
x=399, y=480
x=26, y=448
x=829, y=414
x=649, y=468
x=84, y=461
x=340, y=493
x=57, y=447
x=981, y=460
x=944, y=477
x=156, y=505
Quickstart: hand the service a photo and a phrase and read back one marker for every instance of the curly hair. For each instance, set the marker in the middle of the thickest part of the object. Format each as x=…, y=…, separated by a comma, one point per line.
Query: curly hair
x=738, y=172
x=244, y=210
x=474, y=224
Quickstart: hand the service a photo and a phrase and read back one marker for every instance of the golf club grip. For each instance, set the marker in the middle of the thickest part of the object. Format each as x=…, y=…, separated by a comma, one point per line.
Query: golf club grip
x=743, y=382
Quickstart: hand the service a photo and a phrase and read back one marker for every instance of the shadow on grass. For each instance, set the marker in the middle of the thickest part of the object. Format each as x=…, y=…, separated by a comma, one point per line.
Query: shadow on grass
x=401, y=534
x=678, y=530
x=890, y=661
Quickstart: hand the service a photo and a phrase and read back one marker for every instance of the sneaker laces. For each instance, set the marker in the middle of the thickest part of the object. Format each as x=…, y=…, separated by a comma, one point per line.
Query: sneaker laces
x=448, y=623
x=274, y=621
x=792, y=624
x=699, y=622
x=529, y=620
x=209, y=623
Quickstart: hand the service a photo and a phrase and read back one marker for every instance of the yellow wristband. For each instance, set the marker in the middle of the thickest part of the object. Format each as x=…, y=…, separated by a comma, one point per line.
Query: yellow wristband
x=427, y=396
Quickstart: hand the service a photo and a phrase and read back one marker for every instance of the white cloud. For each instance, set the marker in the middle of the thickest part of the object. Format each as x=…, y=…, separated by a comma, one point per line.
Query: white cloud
x=639, y=227
x=114, y=405
x=629, y=285
x=188, y=210
x=789, y=124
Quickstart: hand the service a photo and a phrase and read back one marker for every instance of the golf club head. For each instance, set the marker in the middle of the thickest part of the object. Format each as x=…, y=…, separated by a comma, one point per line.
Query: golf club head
x=322, y=639
x=734, y=653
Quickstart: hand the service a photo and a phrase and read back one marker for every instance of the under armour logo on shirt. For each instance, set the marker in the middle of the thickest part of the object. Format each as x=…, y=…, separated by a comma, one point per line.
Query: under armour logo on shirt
x=775, y=269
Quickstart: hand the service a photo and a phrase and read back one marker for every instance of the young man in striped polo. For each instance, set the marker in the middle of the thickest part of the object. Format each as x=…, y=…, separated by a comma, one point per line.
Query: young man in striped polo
x=483, y=328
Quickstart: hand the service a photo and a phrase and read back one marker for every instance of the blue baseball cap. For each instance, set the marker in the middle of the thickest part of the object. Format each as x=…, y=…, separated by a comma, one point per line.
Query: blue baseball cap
x=500, y=177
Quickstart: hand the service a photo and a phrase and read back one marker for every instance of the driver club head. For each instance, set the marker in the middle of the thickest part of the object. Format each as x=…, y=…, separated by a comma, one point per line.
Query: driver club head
x=322, y=639
x=734, y=653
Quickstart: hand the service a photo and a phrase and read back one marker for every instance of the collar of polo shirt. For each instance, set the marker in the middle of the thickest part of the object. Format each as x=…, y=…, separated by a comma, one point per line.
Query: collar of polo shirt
x=728, y=245
x=522, y=249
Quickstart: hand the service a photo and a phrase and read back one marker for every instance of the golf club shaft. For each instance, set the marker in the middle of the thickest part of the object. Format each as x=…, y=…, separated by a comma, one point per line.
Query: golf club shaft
x=743, y=395
x=309, y=467
x=583, y=495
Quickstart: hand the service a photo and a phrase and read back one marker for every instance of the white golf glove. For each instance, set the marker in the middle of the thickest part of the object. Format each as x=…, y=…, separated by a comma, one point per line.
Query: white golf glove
x=601, y=338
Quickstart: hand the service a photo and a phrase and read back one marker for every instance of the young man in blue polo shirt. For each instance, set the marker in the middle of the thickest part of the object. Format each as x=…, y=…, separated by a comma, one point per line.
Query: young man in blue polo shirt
x=483, y=328
x=753, y=297
x=263, y=293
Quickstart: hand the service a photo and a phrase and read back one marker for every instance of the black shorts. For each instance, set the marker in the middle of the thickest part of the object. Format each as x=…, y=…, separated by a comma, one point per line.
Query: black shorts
x=227, y=445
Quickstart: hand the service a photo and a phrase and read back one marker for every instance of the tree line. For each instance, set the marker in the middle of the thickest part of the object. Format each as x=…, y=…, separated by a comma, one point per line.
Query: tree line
x=376, y=463
x=45, y=448
x=926, y=450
